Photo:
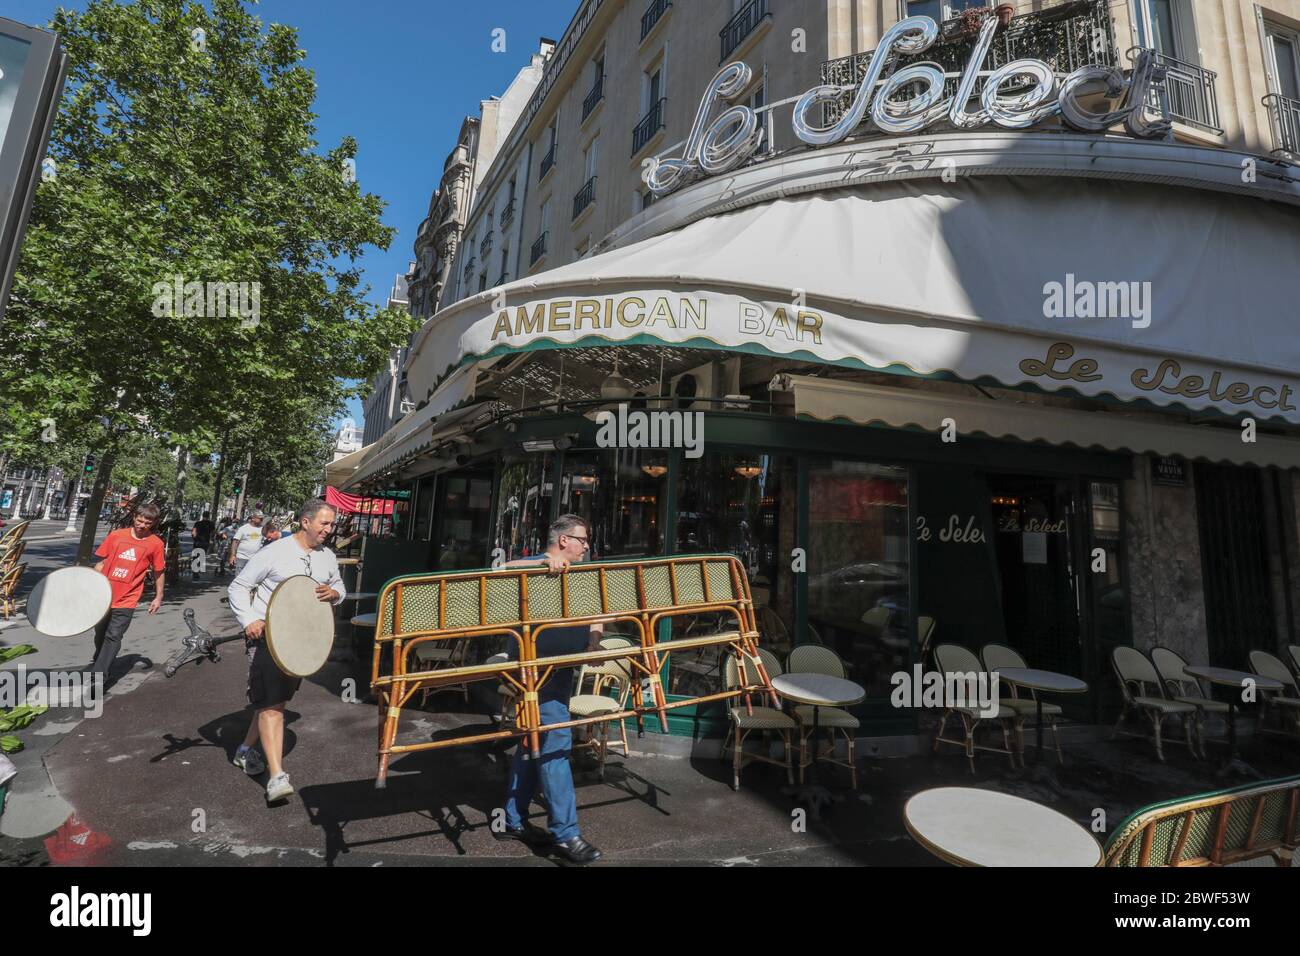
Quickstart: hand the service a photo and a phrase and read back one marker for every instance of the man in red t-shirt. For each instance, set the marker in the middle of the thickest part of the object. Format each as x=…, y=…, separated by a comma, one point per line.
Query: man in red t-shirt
x=128, y=555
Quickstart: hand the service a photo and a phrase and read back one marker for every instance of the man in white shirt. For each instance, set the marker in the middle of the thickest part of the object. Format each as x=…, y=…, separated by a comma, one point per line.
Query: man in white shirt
x=269, y=688
x=247, y=541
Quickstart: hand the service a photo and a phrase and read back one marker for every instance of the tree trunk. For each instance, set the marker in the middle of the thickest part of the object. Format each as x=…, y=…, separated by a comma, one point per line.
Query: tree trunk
x=86, y=548
x=243, y=488
x=178, y=500
x=216, y=490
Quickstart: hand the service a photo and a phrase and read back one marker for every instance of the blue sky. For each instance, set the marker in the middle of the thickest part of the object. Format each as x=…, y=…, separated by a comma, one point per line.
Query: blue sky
x=399, y=76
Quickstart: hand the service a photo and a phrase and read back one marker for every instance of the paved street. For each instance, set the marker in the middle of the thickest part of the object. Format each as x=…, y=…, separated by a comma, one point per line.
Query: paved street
x=150, y=781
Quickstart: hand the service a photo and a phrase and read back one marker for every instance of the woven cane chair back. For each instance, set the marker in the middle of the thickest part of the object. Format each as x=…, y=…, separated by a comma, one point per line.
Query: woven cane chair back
x=1135, y=673
x=1266, y=665
x=815, y=659
x=1172, y=668
x=731, y=674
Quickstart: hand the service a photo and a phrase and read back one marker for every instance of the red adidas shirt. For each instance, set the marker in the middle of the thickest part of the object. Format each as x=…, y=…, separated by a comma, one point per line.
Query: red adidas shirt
x=126, y=559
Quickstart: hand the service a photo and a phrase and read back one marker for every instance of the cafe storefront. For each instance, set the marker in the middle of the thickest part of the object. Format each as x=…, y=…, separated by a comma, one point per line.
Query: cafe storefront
x=1051, y=402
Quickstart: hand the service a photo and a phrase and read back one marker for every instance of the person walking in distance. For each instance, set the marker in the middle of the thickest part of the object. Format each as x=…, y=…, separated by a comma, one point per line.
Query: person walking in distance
x=127, y=554
x=246, y=542
x=201, y=534
x=270, y=688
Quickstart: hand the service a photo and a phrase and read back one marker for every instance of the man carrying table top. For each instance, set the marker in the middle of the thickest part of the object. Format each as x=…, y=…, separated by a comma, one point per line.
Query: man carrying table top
x=568, y=541
x=270, y=688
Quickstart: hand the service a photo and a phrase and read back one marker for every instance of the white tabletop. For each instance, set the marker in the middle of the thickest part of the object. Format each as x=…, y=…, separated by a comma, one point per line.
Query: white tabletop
x=1231, y=678
x=365, y=620
x=348, y=562
x=972, y=827
x=1035, y=679
x=820, y=690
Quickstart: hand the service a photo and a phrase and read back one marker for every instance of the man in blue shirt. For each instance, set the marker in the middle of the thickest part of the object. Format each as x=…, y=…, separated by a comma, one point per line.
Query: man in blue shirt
x=567, y=543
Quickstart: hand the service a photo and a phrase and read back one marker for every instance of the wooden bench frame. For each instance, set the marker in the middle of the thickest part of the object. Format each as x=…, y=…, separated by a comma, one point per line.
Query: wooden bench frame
x=1223, y=813
x=696, y=584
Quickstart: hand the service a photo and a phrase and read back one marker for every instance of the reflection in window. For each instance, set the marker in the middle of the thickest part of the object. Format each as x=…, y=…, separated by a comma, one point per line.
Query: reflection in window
x=858, y=574
x=524, y=506
x=464, y=519
x=617, y=491
x=741, y=504
x=1110, y=603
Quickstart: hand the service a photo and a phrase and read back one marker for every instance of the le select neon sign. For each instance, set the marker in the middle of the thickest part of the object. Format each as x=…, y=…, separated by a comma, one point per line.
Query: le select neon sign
x=733, y=137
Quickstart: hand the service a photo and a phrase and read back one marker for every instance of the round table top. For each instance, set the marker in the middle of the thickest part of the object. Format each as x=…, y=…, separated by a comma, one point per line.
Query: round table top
x=349, y=562
x=972, y=827
x=361, y=595
x=365, y=620
x=820, y=690
x=1036, y=679
x=1230, y=678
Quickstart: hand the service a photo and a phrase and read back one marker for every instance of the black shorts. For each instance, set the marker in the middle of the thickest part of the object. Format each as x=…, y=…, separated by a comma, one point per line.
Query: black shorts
x=267, y=684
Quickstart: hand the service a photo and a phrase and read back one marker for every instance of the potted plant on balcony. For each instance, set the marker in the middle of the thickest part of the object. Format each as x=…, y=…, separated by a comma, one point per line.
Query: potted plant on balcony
x=1004, y=13
x=969, y=21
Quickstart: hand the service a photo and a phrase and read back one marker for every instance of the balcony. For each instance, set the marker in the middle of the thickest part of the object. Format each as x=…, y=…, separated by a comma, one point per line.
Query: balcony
x=1066, y=37
x=1284, y=117
x=501, y=279
x=742, y=25
x=469, y=268
x=593, y=98
x=548, y=162
x=653, y=14
x=651, y=124
x=485, y=246
x=539, y=249
x=1188, y=93
x=508, y=214
x=586, y=196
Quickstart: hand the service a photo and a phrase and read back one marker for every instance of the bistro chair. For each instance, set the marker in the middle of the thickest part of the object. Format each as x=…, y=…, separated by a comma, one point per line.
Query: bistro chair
x=876, y=620
x=1286, y=702
x=13, y=535
x=815, y=659
x=953, y=659
x=998, y=656
x=8, y=585
x=1183, y=687
x=604, y=677
x=924, y=636
x=11, y=557
x=1136, y=677
x=1294, y=651
x=436, y=656
x=775, y=635
x=768, y=720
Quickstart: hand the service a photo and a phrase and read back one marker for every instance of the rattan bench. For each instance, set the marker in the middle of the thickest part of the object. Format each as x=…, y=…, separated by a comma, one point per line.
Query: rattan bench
x=1212, y=829
x=522, y=602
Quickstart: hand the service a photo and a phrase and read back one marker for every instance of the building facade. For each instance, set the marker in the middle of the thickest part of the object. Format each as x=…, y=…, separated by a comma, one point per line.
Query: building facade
x=936, y=311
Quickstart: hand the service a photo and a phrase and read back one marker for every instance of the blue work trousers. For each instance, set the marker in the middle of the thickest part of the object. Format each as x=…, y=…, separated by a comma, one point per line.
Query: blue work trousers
x=554, y=771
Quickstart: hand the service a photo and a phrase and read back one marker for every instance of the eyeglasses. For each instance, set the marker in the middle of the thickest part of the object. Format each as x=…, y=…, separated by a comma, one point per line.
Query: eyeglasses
x=306, y=561
x=576, y=537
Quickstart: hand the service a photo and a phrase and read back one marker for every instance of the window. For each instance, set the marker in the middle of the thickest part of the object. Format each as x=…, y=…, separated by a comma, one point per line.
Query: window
x=618, y=491
x=524, y=505
x=651, y=90
x=581, y=249
x=546, y=216
x=590, y=158
x=1172, y=29
x=482, y=281
x=759, y=99
x=941, y=9
x=1284, y=51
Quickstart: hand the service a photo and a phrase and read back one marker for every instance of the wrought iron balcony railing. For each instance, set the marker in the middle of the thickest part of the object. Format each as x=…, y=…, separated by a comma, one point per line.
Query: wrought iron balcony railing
x=508, y=214
x=1066, y=37
x=594, y=97
x=653, y=14
x=742, y=25
x=539, y=249
x=485, y=246
x=586, y=196
x=469, y=268
x=652, y=123
x=1284, y=117
x=1188, y=92
x=548, y=161
x=501, y=279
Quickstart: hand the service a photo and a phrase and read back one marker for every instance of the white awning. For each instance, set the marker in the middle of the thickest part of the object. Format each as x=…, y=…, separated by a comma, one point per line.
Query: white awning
x=829, y=400
x=449, y=408
x=338, y=472
x=943, y=281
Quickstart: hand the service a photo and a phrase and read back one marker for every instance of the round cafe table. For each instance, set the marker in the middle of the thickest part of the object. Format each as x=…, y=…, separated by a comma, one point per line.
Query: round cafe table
x=349, y=562
x=818, y=691
x=360, y=595
x=1225, y=677
x=967, y=826
x=366, y=620
x=1040, y=680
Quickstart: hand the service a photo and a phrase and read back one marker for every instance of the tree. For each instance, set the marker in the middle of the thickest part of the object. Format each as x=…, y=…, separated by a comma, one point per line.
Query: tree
x=183, y=160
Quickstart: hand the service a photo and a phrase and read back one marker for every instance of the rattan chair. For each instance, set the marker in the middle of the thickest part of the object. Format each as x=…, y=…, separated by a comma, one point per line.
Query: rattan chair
x=1286, y=702
x=13, y=535
x=953, y=659
x=436, y=656
x=1294, y=651
x=814, y=659
x=876, y=620
x=998, y=656
x=598, y=701
x=924, y=637
x=11, y=556
x=1182, y=686
x=8, y=586
x=768, y=720
x=1143, y=693
x=775, y=635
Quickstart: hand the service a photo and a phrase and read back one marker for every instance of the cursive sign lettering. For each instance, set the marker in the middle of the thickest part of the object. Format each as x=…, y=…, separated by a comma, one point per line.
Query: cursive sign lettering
x=1080, y=371
x=1194, y=386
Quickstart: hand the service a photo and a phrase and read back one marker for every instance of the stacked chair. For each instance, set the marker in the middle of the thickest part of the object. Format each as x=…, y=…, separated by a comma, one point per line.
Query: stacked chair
x=1144, y=695
x=953, y=659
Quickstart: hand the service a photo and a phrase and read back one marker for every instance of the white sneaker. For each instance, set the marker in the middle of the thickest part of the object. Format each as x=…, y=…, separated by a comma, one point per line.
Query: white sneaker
x=278, y=787
x=249, y=761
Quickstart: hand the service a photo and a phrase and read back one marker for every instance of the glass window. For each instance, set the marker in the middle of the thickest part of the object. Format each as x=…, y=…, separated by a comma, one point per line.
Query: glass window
x=424, y=498
x=464, y=519
x=1286, y=67
x=618, y=491
x=524, y=505
x=742, y=504
x=858, y=568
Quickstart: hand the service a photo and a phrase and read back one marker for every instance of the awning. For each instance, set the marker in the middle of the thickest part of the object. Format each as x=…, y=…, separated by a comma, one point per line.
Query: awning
x=979, y=280
x=338, y=472
x=451, y=407
x=353, y=505
x=829, y=400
